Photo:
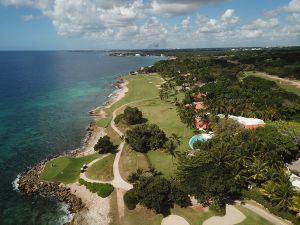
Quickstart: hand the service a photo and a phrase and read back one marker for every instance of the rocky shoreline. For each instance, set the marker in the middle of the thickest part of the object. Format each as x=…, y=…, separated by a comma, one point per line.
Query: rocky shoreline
x=30, y=182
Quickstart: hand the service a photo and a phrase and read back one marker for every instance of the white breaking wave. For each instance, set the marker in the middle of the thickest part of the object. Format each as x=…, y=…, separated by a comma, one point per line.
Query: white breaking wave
x=15, y=183
x=68, y=216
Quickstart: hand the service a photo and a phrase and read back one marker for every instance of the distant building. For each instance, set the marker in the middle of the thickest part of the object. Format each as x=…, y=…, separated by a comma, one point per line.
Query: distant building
x=137, y=54
x=172, y=58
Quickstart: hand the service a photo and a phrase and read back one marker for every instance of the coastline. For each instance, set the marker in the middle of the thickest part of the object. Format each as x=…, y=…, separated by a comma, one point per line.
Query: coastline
x=82, y=204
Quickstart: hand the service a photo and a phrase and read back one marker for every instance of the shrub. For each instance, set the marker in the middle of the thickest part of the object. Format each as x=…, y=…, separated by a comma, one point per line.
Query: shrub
x=118, y=118
x=103, y=190
x=104, y=145
x=146, y=137
x=130, y=199
x=133, y=115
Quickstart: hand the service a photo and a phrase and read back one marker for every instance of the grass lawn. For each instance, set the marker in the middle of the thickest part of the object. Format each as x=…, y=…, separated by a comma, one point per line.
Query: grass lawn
x=252, y=217
x=192, y=216
x=65, y=169
x=130, y=161
x=102, y=170
x=289, y=88
x=114, y=137
x=162, y=113
x=162, y=162
x=138, y=216
x=140, y=87
x=165, y=116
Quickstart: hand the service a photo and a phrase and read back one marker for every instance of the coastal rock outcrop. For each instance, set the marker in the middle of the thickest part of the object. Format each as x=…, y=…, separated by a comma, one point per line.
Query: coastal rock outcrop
x=30, y=183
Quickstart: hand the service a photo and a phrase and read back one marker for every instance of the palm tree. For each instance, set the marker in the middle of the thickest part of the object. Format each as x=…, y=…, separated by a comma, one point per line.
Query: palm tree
x=295, y=207
x=258, y=171
x=135, y=176
x=177, y=139
x=171, y=149
x=281, y=194
x=268, y=189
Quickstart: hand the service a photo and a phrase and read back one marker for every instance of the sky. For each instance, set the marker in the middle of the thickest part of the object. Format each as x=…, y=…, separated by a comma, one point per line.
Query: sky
x=147, y=24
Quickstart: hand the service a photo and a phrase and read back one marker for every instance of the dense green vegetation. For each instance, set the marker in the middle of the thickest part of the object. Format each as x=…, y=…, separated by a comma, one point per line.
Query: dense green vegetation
x=287, y=85
x=251, y=97
x=145, y=137
x=65, y=169
x=155, y=192
x=228, y=91
x=132, y=115
x=284, y=63
x=291, y=129
x=235, y=160
x=103, y=190
x=232, y=162
x=130, y=199
x=104, y=145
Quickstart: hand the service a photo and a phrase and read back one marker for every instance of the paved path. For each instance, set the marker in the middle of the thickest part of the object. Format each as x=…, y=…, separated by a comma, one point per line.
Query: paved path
x=118, y=181
x=266, y=215
x=233, y=216
x=174, y=220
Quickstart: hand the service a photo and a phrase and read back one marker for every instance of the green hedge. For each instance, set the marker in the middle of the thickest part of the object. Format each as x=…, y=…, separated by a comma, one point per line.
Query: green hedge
x=259, y=198
x=103, y=190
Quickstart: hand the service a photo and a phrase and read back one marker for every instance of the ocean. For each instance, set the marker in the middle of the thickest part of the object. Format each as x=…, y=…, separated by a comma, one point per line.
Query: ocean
x=45, y=98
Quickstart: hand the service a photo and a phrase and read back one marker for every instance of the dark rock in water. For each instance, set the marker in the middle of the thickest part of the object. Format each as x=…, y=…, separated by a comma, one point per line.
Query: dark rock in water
x=30, y=183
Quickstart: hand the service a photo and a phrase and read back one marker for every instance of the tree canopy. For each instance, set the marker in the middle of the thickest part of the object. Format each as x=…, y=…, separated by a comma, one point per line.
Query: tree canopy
x=104, y=145
x=157, y=193
x=146, y=137
x=132, y=115
x=227, y=164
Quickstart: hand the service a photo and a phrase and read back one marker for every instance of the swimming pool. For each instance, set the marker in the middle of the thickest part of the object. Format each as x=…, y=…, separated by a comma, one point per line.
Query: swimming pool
x=196, y=138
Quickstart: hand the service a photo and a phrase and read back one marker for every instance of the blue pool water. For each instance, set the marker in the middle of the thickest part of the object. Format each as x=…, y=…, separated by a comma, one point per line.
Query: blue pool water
x=196, y=138
x=44, y=102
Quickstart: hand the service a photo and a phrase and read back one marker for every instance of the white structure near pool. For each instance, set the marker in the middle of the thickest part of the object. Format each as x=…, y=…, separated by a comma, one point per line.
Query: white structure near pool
x=199, y=137
x=295, y=180
x=248, y=123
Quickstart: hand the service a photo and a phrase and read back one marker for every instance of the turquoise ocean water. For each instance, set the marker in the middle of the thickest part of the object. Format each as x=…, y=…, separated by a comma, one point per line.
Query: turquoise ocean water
x=44, y=102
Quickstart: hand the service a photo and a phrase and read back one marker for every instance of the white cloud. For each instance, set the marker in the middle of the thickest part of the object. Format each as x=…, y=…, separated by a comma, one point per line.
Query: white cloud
x=87, y=18
x=293, y=6
x=186, y=23
x=139, y=22
x=260, y=23
x=178, y=7
x=210, y=25
x=293, y=26
x=229, y=17
x=250, y=33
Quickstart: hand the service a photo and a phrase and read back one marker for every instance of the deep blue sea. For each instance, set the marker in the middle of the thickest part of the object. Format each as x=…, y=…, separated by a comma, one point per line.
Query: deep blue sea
x=44, y=102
